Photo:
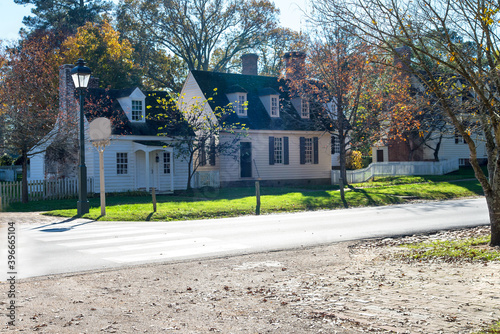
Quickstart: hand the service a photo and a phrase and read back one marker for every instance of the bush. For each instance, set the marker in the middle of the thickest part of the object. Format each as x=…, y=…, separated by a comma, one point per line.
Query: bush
x=6, y=160
x=354, y=160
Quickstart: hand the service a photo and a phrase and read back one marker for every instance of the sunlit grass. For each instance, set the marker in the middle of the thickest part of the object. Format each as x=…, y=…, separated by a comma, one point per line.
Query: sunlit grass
x=241, y=201
x=232, y=202
x=475, y=249
x=493, y=329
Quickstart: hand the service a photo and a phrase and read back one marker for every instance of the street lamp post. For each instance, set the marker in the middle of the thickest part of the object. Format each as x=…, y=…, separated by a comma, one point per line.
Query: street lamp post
x=81, y=75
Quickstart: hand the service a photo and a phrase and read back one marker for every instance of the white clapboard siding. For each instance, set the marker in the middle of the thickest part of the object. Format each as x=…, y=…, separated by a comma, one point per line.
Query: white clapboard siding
x=230, y=170
x=129, y=182
x=37, y=167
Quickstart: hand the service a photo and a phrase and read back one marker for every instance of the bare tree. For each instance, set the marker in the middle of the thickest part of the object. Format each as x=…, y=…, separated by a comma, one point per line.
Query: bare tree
x=464, y=78
x=194, y=30
x=29, y=98
x=196, y=131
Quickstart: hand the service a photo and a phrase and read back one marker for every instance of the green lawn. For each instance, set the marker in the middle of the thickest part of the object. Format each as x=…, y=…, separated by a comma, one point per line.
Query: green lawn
x=472, y=249
x=231, y=202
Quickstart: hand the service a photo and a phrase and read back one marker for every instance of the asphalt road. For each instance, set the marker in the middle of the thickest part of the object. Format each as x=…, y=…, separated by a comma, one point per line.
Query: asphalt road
x=80, y=245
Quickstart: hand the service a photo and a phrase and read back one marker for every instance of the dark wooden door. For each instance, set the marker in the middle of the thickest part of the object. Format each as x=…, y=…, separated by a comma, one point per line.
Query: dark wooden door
x=246, y=159
x=380, y=156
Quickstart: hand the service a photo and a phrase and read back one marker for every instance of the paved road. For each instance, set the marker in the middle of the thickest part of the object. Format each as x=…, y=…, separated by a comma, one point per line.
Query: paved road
x=78, y=245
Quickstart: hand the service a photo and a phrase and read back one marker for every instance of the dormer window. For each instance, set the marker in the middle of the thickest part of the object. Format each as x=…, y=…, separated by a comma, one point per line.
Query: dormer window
x=275, y=106
x=240, y=107
x=237, y=96
x=137, y=110
x=304, y=108
x=270, y=99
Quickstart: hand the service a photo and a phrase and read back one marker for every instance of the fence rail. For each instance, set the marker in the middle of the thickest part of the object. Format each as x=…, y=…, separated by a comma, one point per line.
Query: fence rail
x=397, y=168
x=41, y=190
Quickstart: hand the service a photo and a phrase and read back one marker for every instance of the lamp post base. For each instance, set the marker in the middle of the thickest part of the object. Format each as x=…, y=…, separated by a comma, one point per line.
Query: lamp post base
x=82, y=207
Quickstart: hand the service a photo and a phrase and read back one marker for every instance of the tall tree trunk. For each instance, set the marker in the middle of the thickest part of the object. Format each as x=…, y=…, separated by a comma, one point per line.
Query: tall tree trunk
x=24, y=181
x=438, y=146
x=190, y=174
x=493, y=202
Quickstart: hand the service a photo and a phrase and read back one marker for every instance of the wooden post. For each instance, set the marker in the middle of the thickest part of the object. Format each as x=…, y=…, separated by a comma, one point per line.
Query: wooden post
x=153, y=192
x=257, y=194
x=101, y=182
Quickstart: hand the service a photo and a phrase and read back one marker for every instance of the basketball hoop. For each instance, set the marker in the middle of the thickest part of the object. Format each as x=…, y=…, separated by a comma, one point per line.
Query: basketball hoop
x=100, y=131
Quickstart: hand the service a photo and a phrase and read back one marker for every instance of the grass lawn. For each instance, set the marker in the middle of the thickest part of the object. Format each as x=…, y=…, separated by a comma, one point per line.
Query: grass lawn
x=231, y=202
x=472, y=249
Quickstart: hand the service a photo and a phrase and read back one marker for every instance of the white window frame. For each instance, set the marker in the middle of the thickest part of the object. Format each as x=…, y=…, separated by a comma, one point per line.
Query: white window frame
x=308, y=150
x=278, y=150
x=121, y=163
x=241, y=109
x=167, y=163
x=274, y=106
x=335, y=144
x=136, y=114
x=304, y=108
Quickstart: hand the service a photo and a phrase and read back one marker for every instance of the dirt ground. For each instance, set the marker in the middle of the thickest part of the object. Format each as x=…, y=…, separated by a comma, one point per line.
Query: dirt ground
x=352, y=287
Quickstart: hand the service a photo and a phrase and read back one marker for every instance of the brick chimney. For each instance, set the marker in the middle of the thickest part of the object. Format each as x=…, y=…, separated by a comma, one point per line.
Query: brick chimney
x=294, y=64
x=402, y=59
x=68, y=104
x=249, y=64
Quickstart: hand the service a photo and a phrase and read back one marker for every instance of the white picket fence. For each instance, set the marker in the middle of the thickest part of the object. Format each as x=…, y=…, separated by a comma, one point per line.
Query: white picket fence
x=43, y=189
x=397, y=168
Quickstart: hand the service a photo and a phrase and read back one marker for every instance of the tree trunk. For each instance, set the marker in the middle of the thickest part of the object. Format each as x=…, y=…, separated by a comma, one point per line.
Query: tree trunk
x=436, y=150
x=190, y=174
x=24, y=181
x=493, y=202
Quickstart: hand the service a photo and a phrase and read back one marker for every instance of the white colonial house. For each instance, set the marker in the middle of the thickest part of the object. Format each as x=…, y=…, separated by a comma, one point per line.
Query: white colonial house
x=281, y=145
x=137, y=158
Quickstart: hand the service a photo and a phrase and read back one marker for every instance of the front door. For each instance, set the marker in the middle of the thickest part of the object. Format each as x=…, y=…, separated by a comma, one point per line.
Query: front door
x=380, y=156
x=246, y=159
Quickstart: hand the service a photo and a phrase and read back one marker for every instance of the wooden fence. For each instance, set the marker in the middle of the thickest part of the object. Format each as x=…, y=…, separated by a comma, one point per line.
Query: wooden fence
x=41, y=190
x=397, y=168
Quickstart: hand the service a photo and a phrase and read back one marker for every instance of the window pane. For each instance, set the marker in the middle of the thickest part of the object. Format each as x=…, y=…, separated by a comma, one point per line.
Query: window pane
x=308, y=150
x=136, y=110
x=278, y=150
x=274, y=106
x=166, y=163
x=121, y=163
x=241, y=105
x=304, y=109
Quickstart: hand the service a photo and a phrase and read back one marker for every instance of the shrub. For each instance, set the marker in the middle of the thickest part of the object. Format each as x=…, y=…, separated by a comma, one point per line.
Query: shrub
x=354, y=160
x=6, y=160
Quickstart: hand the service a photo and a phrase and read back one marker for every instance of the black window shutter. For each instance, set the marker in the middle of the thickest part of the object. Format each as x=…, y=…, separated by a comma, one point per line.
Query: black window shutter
x=202, y=158
x=315, y=152
x=285, y=151
x=212, y=152
x=333, y=144
x=302, y=150
x=271, y=150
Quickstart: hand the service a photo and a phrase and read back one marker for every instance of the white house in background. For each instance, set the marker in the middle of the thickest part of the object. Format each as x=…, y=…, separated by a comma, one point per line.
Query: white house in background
x=452, y=147
x=282, y=145
x=137, y=158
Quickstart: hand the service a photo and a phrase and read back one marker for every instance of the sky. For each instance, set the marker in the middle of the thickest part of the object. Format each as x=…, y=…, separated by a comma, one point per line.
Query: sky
x=11, y=16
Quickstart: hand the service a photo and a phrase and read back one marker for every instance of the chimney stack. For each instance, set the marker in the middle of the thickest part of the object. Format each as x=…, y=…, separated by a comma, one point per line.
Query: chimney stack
x=67, y=101
x=249, y=64
x=402, y=59
x=295, y=64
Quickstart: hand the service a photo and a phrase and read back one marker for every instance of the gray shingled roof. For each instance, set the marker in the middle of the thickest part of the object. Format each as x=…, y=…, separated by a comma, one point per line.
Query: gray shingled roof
x=104, y=103
x=216, y=85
